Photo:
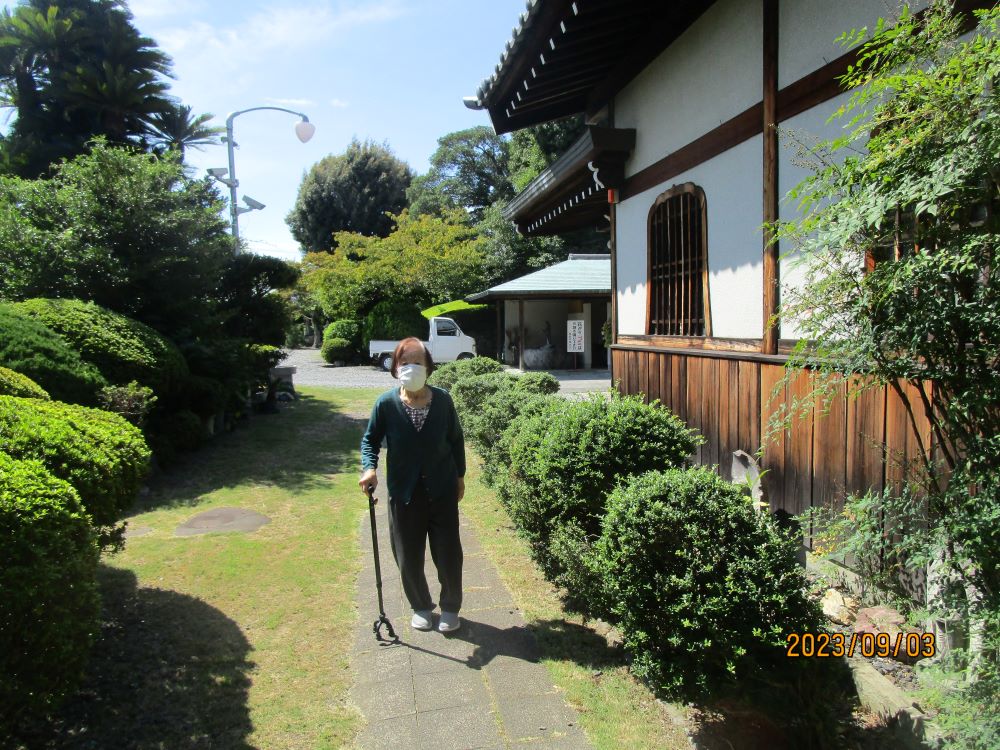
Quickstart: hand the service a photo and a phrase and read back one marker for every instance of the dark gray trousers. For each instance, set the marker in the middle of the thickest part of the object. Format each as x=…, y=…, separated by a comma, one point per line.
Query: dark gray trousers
x=410, y=526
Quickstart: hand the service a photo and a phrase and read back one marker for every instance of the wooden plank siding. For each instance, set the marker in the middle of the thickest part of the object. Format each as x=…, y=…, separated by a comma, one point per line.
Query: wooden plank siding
x=830, y=450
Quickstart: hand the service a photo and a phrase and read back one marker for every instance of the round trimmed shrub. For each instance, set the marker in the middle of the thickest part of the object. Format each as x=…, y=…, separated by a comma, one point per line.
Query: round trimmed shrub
x=538, y=382
x=336, y=350
x=344, y=329
x=15, y=384
x=99, y=453
x=49, y=605
x=561, y=463
x=121, y=348
x=704, y=587
x=447, y=374
x=30, y=348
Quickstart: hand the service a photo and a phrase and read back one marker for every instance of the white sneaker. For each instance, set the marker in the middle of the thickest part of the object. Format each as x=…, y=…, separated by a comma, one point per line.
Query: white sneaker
x=449, y=622
x=421, y=619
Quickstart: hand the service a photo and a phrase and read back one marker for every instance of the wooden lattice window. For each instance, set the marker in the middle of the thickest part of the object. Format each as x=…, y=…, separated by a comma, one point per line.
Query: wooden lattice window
x=677, y=302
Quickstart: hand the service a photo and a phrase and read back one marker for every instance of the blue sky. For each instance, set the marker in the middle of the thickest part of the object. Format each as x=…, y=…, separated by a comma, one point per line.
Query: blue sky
x=389, y=70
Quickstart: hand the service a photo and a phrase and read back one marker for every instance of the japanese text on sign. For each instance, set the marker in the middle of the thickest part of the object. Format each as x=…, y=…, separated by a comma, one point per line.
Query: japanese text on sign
x=574, y=335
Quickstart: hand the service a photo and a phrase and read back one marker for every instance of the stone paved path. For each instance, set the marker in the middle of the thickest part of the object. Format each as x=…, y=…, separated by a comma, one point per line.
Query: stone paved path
x=480, y=687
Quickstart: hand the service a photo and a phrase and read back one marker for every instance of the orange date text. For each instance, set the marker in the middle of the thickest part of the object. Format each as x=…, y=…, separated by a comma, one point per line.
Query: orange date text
x=911, y=645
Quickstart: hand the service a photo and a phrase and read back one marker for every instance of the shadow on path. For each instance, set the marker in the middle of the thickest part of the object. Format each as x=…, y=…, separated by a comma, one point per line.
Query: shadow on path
x=167, y=671
x=297, y=450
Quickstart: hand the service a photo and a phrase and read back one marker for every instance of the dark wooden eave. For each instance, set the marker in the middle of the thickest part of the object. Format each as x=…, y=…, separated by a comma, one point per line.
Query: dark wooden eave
x=573, y=192
x=573, y=56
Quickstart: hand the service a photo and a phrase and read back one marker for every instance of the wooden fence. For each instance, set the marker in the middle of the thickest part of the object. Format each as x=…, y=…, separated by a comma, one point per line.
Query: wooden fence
x=857, y=443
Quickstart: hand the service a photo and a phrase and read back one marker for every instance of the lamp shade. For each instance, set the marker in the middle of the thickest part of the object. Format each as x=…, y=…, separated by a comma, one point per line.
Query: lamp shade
x=304, y=130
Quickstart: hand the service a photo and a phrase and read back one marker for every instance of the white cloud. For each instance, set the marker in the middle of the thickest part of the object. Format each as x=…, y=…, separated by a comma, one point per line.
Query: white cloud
x=291, y=102
x=339, y=103
x=266, y=31
x=151, y=10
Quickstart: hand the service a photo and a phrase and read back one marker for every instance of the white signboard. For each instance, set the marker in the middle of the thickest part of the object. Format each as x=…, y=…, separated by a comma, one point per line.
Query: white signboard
x=574, y=335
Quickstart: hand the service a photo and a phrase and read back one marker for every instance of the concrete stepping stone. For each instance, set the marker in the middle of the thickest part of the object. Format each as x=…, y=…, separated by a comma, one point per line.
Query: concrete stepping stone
x=222, y=520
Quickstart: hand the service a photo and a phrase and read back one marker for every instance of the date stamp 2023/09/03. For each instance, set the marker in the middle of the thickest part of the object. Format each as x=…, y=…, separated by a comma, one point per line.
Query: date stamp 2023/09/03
x=912, y=645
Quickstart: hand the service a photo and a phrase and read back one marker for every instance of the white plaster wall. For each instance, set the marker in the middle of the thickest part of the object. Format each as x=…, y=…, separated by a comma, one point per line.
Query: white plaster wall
x=808, y=30
x=708, y=75
x=732, y=184
x=804, y=129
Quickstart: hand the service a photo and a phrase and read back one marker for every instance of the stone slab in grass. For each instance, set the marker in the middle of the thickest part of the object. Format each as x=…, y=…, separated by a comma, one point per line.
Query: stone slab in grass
x=222, y=519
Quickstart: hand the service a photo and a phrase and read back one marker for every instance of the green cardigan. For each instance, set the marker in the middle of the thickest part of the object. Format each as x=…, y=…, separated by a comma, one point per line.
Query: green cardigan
x=436, y=453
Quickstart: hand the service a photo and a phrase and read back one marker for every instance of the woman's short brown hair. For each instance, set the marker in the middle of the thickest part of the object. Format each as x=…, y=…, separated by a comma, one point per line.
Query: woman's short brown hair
x=406, y=344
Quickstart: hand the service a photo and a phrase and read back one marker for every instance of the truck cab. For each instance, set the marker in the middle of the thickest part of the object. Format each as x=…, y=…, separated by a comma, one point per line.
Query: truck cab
x=445, y=342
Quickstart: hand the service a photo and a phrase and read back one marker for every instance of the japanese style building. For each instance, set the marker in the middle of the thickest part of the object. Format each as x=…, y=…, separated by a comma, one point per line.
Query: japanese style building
x=682, y=158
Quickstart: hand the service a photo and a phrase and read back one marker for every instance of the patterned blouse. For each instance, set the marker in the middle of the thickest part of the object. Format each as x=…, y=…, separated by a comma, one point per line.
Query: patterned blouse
x=418, y=416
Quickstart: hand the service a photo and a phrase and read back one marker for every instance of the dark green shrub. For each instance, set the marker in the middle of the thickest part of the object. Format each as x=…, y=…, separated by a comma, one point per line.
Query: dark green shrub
x=132, y=402
x=561, y=463
x=447, y=374
x=336, y=350
x=99, y=453
x=122, y=349
x=344, y=329
x=181, y=431
x=704, y=587
x=15, y=384
x=394, y=319
x=49, y=603
x=31, y=349
x=205, y=396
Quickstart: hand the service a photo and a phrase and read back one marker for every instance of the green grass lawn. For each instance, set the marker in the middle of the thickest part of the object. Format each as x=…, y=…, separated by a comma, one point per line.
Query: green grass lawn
x=235, y=640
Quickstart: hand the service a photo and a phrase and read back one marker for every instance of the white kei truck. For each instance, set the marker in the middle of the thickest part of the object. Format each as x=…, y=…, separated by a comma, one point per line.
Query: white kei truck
x=446, y=344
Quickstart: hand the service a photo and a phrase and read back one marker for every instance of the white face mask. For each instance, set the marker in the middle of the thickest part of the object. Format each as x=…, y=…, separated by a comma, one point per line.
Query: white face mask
x=412, y=377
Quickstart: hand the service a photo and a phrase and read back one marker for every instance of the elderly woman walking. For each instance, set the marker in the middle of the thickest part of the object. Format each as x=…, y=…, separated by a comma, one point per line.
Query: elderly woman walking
x=425, y=475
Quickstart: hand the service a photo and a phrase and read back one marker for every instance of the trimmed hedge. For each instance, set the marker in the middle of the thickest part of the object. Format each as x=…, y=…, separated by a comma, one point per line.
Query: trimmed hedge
x=489, y=403
x=336, y=350
x=122, y=349
x=30, y=348
x=49, y=603
x=447, y=374
x=99, y=453
x=703, y=586
x=15, y=384
x=562, y=462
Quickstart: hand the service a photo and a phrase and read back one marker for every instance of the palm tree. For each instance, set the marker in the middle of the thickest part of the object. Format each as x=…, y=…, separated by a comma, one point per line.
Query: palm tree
x=175, y=128
x=121, y=82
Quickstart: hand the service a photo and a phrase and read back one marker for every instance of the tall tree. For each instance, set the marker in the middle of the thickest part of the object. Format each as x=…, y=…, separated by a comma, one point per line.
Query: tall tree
x=535, y=148
x=469, y=171
x=74, y=72
x=349, y=192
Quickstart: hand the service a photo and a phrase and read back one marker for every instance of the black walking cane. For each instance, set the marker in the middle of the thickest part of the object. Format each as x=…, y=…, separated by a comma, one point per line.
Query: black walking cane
x=382, y=619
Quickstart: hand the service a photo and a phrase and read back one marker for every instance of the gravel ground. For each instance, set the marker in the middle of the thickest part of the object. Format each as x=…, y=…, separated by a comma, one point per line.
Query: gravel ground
x=312, y=370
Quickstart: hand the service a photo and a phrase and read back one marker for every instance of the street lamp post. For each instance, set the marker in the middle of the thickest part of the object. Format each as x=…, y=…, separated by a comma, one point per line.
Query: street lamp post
x=303, y=130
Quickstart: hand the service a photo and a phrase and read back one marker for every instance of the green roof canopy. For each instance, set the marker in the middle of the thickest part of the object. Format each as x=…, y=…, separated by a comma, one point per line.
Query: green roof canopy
x=582, y=275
